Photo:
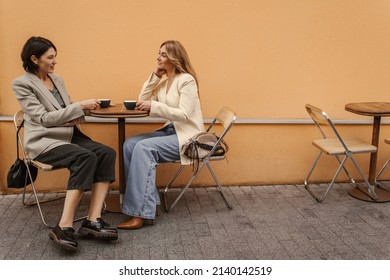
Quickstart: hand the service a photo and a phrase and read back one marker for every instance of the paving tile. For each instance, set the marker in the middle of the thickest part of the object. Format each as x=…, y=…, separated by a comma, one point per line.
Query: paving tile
x=293, y=249
x=158, y=252
x=306, y=245
x=242, y=250
x=258, y=248
x=279, y=231
x=311, y=232
x=277, y=250
x=176, y=252
x=208, y=248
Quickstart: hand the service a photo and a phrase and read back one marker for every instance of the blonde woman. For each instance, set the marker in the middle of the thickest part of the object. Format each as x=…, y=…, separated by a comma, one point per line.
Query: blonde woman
x=171, y=92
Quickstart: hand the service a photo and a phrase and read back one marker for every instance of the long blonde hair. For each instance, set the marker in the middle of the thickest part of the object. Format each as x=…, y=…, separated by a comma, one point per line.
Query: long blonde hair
x=178, y=56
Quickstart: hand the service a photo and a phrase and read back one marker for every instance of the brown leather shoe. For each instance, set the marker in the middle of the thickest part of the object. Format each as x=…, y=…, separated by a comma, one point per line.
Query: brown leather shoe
x=133, y=223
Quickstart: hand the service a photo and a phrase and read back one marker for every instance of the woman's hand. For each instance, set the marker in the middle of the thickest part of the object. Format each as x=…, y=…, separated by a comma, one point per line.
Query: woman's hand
x=159, y=72
x=144, y=105
x=90, y=104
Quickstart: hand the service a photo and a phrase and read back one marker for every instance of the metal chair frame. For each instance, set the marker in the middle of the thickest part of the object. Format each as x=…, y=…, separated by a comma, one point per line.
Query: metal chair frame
x=19, y=123
x=377, y=181
x=320, y=118
x=226, y=118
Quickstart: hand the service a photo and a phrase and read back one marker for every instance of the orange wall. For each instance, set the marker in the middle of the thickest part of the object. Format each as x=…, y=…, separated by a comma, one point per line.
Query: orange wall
x=263, y=58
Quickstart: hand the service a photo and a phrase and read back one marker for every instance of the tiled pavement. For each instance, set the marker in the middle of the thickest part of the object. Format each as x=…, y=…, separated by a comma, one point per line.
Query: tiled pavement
x=267, y=222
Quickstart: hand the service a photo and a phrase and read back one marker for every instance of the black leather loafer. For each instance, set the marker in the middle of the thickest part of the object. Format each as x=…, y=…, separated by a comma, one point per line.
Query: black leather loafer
x=99, y=229
x=64, y=238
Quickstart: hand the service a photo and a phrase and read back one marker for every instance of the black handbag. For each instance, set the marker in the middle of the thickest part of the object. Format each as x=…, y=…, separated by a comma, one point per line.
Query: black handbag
x=200, y=145
x=17, y=176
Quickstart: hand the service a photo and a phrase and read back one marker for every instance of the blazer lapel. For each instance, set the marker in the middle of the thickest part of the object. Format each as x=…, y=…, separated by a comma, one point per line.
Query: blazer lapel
x=43, y=89
x=61, y=89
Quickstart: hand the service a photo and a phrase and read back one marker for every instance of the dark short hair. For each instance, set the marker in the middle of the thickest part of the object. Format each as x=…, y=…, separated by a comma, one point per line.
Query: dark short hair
x=34, y=46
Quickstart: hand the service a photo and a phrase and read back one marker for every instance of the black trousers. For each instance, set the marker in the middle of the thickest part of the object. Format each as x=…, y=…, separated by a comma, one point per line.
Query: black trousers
x=88, y=161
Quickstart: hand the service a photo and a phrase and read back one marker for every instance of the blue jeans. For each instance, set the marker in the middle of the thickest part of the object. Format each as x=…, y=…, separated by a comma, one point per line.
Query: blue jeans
x=142, y=154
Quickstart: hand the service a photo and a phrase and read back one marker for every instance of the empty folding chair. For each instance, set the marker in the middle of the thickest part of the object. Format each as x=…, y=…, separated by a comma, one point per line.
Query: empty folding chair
x=337, y=147
x=226, y=118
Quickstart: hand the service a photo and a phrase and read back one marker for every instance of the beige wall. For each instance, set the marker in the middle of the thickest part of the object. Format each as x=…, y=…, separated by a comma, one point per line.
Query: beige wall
x=265, y=59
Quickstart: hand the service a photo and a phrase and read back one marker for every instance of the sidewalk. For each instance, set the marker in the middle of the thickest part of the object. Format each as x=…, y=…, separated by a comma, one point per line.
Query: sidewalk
x=267, y=222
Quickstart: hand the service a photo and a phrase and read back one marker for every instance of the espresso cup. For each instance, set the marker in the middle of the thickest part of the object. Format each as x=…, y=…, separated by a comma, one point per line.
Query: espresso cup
x=104, y=102
x=130, y=104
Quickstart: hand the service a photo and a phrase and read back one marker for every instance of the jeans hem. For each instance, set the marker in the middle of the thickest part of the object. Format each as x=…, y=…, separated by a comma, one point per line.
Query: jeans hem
x=150, y=217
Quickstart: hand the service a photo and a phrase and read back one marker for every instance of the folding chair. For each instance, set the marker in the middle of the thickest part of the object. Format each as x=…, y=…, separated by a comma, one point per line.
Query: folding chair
x=377, y=181
x=337, y=147
x=226, y=118
x=19, y=123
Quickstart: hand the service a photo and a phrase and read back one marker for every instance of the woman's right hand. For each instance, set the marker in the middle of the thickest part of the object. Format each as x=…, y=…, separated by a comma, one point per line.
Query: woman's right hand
x=159, y=72
x=90, y=104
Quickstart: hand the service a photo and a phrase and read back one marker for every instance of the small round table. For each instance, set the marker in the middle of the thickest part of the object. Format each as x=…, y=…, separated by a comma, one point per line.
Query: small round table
x=119, y=112
x=376, y=110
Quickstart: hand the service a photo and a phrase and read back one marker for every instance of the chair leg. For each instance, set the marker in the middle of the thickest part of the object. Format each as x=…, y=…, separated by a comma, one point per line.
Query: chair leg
x=320, y=199
x=381, y=171
x=32, y=203
x=168, y=186
x=38, y=205
x=218, y=185
x=37, y=202
x=187, y=186
x=25, y=203
x=346, y=171
x=312, y=168
x=370, y=188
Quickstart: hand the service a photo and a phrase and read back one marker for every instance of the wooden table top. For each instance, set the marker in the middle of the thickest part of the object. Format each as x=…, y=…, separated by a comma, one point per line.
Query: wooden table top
x=117, y=111
x=375, y=109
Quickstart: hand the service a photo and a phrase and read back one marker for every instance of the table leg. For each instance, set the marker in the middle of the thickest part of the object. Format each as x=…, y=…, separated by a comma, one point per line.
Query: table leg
x=374, y=156
x=121, y=140
x=114, y=201
x=362, y=192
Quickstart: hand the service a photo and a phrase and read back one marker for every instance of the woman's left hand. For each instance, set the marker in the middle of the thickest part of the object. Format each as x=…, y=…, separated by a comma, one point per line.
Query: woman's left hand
x=144, y=105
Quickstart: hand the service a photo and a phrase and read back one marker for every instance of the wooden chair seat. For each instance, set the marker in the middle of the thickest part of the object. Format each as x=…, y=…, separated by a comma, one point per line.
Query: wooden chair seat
x=41, y=165
x=333, y=146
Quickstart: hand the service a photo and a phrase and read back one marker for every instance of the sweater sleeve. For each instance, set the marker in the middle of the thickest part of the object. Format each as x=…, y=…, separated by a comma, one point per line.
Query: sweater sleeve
x=148, y=91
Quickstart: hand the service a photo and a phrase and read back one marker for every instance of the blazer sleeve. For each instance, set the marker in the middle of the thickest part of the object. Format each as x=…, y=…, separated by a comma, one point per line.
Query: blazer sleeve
x=38, y=111
x=188, y=95
x=149, y=88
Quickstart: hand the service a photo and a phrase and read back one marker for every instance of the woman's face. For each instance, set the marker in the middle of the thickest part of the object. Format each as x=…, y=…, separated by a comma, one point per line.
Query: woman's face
x=47, y=61
x=163, y=61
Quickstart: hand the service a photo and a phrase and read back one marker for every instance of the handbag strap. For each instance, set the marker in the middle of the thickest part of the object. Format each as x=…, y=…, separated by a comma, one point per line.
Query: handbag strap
x=17, y=138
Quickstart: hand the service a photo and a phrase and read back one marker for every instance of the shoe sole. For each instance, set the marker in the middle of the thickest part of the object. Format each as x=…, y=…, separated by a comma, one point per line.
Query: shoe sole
x=63, y=245
x=99, y=235
x=146, y=222
x=129, y=228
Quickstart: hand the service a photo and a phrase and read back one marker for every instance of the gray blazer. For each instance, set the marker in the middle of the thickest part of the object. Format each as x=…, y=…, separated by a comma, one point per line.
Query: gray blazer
x=47, y=125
